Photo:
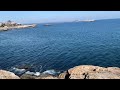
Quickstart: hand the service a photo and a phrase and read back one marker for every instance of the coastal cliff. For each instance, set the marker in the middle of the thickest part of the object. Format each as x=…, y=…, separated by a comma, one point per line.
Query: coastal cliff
x=78, y=72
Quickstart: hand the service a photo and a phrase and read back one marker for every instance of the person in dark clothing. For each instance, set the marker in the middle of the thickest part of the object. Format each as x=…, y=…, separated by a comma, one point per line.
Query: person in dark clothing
x=67, y=75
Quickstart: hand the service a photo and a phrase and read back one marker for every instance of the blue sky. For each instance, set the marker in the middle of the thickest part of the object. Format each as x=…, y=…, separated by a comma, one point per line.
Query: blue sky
x=55, y=16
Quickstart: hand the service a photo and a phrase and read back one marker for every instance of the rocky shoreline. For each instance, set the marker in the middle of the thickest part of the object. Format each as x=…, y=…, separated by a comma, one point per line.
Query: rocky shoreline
x=78, y=72
x=16, y=27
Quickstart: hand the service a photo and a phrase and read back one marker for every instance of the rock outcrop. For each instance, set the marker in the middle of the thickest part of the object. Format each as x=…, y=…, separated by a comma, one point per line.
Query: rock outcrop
x=43, y=76
x=92, y=72
x=7, y=75
x=6, y=28
x=47, y=77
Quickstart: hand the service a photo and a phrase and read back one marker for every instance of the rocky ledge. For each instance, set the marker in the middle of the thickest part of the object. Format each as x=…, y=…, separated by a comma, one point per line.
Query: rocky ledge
x=91, y=72
x=16, y=27
x=7, y=75
x=78, y=72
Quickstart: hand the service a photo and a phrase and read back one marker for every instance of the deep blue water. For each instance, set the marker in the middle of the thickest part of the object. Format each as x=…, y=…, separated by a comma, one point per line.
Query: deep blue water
x=62, y=46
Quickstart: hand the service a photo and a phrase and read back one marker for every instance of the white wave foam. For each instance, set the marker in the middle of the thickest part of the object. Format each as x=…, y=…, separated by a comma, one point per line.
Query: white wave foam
x=18, y=70
x=33, y=73
x=37, y=74
x=52, y=72
x=24, y=71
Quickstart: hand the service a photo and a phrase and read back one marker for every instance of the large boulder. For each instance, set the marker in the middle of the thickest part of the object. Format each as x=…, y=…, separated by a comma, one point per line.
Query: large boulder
x=27, y=76
x=92, y=72
x=7, y=75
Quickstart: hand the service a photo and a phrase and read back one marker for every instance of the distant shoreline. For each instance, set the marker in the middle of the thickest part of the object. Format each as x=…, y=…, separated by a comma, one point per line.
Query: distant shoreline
x=6, y=28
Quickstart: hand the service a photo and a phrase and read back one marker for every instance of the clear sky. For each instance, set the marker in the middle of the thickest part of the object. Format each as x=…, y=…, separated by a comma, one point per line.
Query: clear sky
x=55, y=16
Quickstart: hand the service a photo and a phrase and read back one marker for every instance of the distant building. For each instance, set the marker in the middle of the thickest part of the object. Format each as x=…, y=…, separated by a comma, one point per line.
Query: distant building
x=0, y=24
x=19, y=24
x=9, y=23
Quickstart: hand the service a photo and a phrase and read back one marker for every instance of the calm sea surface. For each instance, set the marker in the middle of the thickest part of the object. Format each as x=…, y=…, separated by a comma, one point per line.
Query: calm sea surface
x=61, y=46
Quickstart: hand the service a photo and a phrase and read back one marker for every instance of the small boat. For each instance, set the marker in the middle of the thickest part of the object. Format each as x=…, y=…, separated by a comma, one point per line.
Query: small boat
x=88, y=21
x=33, y=25
x=47, y=25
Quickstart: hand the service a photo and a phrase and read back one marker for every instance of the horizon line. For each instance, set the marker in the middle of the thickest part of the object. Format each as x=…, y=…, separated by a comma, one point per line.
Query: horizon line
x=61, y=21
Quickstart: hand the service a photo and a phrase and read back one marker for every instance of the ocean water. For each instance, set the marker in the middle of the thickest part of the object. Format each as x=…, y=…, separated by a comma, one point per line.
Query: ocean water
x=61, y=46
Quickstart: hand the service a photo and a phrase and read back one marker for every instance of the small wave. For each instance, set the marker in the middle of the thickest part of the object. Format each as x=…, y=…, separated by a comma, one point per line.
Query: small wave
x=17, y=70
x=52, y=72
x=21, y=71
x=33, y=73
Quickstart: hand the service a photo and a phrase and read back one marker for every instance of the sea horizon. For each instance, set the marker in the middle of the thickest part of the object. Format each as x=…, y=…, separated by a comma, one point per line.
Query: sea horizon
x=70, y=21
